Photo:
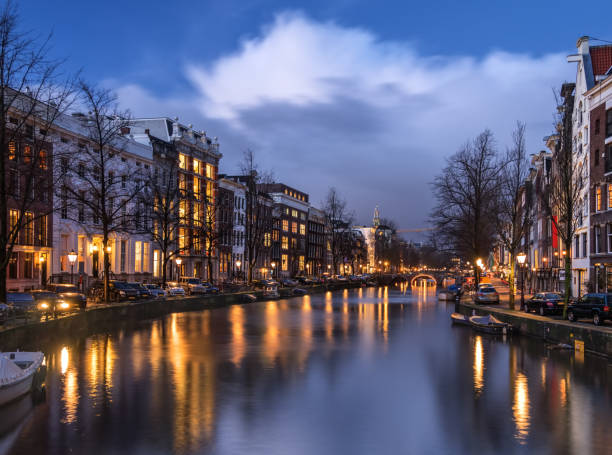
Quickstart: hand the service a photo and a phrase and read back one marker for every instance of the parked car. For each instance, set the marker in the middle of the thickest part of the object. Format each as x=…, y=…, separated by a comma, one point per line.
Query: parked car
x=486, y=294
x=21, y=302
x=598, y=307
x=118, y=290
x=156, y=291
x=210, y=289
x=192, y=285
x=287, y=282
x=69, y=293
x=174, y=289
x=49, y=303
x=545, y=303
x=143, y=291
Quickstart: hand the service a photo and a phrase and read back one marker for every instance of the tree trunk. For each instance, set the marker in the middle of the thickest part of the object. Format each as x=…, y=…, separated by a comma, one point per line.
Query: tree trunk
x=210, y=268
x=511, y=282
x=568, y=283
x=250, y=274
x=106, y=268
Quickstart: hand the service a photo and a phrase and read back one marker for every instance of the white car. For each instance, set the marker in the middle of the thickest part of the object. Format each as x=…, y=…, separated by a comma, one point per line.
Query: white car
x=174, y=289
x=156, y=291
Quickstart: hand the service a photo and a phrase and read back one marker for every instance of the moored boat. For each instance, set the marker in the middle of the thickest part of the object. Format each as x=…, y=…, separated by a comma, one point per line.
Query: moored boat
x=490, y=324
x=271, y=291
x=17, y=372
x=460, y=319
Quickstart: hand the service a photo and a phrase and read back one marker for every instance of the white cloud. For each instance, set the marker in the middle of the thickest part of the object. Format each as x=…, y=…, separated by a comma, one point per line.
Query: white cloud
x=326, y=104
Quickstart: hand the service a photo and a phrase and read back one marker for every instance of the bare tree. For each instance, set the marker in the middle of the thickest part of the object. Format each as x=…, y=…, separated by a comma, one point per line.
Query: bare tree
x=466, y=193
x=258, y=209
x=515, y=214
x=562, y=198
x=338, y=221
x=93, y=183
x=208, y=230
x=162, y=191
x=32, y=97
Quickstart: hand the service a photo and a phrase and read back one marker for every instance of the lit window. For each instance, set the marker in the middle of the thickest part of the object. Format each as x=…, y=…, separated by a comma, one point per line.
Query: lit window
x=12, y=151
x=182, y=161
x=285, y=243
x=13, y=218
x=196, y=187
x=610, y=195
x=181, y=239
x=285, y=225
x=27, y=154
x=284, y=263
x=294, y=213
x=138, y=257
x=210, y=171
x=301, y=263
x=196, y=166
x=294, y=227
x=302, y=229
x=267, y=239
x=598, y=198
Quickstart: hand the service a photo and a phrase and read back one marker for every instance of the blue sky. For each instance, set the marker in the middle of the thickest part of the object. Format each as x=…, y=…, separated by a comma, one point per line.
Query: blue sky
x=367, y=96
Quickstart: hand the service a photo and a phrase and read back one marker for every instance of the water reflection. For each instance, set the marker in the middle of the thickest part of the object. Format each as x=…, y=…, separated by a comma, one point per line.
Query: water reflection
x=364, y=371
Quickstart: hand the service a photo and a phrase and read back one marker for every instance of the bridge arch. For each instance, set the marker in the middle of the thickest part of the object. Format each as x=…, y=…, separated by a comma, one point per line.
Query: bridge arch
x=423, y=275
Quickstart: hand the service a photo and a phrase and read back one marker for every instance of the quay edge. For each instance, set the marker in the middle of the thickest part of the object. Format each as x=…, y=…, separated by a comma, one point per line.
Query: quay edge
x=597, y=340
x=122, y=315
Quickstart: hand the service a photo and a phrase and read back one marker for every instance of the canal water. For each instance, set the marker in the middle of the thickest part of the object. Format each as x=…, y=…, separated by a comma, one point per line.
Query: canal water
x=368, y=371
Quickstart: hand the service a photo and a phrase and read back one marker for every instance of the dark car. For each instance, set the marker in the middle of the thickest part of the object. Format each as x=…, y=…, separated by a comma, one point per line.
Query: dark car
x=288, y=282
x=143, y=291
x=597, y=307
x=118, y=290
x=49, y=303
x=21, y=302
x=69, y=293
x=545, y=303
x=209, y=288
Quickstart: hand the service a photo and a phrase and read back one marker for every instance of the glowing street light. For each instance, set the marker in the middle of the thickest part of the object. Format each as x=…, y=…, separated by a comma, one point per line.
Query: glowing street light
x=72, y=257
x=521, y=257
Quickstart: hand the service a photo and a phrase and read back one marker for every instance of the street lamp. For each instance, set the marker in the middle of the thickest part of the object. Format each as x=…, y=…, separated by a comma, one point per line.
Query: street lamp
x=273, y=265
x=521, y=260
x=238, y=264
x=178, y=261
x=72, y=257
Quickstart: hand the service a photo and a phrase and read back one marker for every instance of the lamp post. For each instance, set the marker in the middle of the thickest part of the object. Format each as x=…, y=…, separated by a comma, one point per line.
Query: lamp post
x=43, y=270
x=273, y=265
x=178, y=261
x=238, y=264
x=94, y=260
x=521, y=260
x=72, y=257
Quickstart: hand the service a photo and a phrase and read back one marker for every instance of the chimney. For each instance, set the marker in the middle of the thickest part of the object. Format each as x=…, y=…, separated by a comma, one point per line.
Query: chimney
x=583, y=45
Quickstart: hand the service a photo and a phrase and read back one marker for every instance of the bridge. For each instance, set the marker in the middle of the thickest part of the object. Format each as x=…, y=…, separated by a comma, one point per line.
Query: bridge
x=390, y=279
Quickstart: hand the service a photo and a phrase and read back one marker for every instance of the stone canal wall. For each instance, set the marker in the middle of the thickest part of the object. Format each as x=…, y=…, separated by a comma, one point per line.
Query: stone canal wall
x=108, y=317
x=596, y=340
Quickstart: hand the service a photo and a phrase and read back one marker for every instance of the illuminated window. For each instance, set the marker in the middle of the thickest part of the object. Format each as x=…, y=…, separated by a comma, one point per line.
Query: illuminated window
x=146, y=248
x=284, y=263
x=42, y=159
x=210, y=171
x=293, y=243
x=196, y=187
x=138, y=257
x=302, y=229
x=209, y=190
x=275, y=236
x=156, y=263
x=12, y=149
x=267, y=239
x=182, y=161
x=183, y=211
x=28, y=220
x=285, y=225
x=196, y=166
x=182, y=182
x=294, y=227
x=181, y=239
x=196, y=212
x=610, y=195
x=294, y=213
x=301, y=263
x=285, y=243
x=27, y=154
x=13, y=218
x=598, y=198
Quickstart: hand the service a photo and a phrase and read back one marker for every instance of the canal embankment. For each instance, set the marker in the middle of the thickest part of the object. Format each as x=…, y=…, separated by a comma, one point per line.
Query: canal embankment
x=101, y=318
x=581, y=336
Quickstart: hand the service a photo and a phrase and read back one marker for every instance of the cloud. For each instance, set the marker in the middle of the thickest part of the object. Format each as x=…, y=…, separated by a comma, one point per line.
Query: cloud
x=324, y=104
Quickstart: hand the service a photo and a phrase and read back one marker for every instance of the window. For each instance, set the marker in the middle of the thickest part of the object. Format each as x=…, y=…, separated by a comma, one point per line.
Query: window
x=182, y=161
x=196, y=187
x=609, y=123
x=196, y=166
x=43, y=227
x=285, y=243
x=597, y=239
x=28, y=231
x=28, y=265
x=210, y=171
x=12, y=268
x=156, y=263
x=12, y=151
x=284, y=263
x=137, y=257
x=146, y=248
x=293, y=243
x=267, y=239
x=598, y=199
x=294, y=227
x=27, y=154
x=181, y=239
x=302, y=229
x=13, y=219
x=285, y=225
x=122, y=254
x=584, y=245
x=42, y=159
x=596, y=130
x=577, y=246
x=294, y=213
x=301, y=263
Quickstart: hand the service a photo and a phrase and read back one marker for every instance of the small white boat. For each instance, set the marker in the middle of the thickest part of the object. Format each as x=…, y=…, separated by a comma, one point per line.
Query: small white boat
x=17, y=371
x=271, y=291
